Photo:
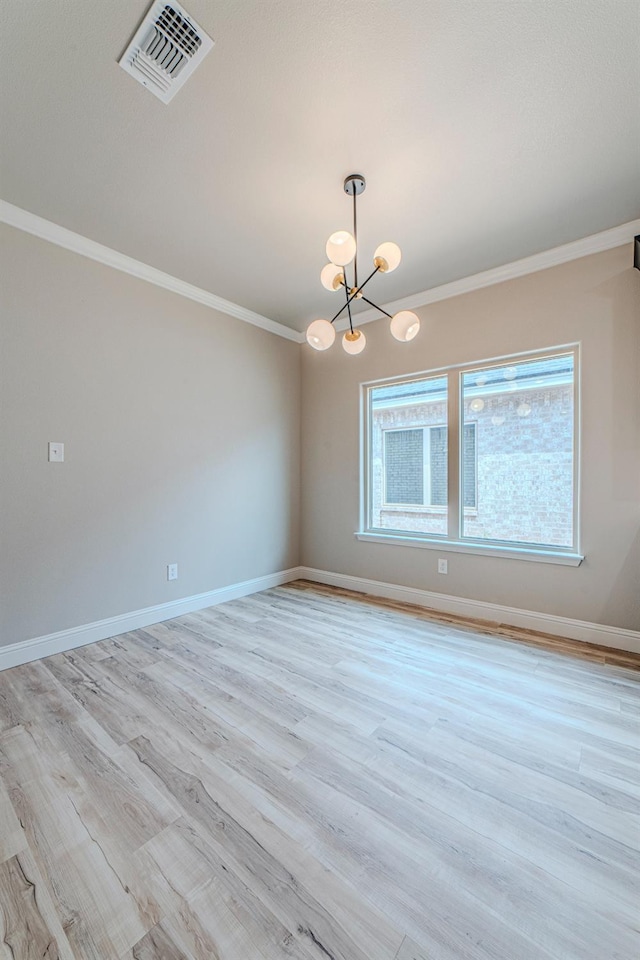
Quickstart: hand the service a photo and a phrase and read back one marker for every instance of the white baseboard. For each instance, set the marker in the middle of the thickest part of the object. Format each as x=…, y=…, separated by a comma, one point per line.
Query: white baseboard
x=14, y=654
x=616, y=637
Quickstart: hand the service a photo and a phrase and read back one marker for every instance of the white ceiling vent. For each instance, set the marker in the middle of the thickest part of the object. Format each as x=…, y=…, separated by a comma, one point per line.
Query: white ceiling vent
x=165, y=49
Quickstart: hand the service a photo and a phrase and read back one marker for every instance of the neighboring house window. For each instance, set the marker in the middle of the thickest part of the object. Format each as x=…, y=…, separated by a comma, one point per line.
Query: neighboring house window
x=415, y=466
x=515, y=441
x=404, y=480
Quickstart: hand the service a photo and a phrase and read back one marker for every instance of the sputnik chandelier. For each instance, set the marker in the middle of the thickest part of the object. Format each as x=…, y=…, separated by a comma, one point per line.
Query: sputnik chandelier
x=342, y=249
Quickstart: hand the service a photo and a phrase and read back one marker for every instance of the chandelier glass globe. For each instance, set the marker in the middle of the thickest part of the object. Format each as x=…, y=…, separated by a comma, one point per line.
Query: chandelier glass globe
x=354, y=342
x=405, y=326
x=387, y=256
x=332, y=277
x=320, y=334
x=341, y=248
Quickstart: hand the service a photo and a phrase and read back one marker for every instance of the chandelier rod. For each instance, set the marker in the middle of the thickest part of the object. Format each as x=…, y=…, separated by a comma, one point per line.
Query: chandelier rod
x=348, y=306
x=355, y=237
x=375, y=305
x=355, y=293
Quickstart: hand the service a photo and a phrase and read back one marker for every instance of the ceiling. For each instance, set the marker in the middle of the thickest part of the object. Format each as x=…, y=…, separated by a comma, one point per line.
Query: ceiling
x=487, y=131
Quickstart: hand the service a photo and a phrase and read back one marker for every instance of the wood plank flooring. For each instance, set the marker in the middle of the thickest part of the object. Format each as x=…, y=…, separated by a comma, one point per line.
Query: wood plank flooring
x=309, y=774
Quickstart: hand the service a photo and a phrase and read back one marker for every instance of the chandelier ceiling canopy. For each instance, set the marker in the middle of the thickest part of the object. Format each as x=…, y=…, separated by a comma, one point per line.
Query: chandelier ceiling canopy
x=342, y=250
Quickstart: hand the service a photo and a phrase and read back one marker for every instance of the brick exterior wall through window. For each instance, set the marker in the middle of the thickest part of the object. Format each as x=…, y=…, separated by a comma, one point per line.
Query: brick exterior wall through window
x=523, y=465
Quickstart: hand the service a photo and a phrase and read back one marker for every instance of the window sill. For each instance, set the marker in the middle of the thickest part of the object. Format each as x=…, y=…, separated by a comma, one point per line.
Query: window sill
x=563, y=557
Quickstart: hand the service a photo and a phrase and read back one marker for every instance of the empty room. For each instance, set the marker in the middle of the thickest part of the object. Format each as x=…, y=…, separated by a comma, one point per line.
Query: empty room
x=320, y=480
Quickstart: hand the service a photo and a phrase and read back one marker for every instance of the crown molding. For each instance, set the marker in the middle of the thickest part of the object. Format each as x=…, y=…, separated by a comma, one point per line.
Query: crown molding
x=596, y=243
x=47, y=230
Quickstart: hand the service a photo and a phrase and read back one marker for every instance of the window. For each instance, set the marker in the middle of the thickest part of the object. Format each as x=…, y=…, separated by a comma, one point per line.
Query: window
x=494, y=470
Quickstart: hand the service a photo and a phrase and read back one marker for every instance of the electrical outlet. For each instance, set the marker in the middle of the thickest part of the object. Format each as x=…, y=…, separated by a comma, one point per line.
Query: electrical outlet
x=443, y=566
x=172, y=571
x=56, y=452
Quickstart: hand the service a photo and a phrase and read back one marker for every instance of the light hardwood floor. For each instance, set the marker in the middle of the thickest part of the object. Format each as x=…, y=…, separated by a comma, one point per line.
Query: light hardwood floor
x=310, y=774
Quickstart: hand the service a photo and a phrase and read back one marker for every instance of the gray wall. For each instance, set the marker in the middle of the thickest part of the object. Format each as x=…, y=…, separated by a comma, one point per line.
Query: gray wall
x=595, y=300
x=182, y=434
x=181, y=429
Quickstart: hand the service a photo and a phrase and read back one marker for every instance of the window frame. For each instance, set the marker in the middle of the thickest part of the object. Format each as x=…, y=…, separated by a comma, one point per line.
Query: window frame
x=454, y=540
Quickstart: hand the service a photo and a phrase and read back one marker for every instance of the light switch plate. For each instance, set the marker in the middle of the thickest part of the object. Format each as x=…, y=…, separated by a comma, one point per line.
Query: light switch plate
x=56, y=452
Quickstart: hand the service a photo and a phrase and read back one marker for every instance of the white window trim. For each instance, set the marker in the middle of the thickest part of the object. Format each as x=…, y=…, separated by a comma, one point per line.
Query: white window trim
x=454, y=542
x=490, y=548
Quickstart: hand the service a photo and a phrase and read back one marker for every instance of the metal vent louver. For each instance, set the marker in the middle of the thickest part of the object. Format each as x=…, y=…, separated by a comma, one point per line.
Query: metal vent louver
x=165, y=49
